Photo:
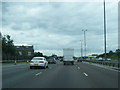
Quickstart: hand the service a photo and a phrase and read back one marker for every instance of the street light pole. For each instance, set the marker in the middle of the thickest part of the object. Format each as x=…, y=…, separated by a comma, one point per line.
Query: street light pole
x=84, y=40
x=81, y=49
x=105, y=31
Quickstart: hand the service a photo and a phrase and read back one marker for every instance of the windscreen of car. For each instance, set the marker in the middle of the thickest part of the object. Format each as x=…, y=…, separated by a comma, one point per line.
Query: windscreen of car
x=50, y=59
x=37, y=59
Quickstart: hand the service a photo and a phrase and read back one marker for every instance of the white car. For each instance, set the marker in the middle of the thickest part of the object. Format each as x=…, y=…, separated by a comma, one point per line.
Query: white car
x=109, y=59
x=38, y=62
x=100, y=58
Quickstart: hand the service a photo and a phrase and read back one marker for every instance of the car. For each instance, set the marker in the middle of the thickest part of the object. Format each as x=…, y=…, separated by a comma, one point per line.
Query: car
x=100, y=59
x=79, y=60
x=38, y=62
x=75, y=60
x=51, y=60
x=109, y=59
x=61, y=59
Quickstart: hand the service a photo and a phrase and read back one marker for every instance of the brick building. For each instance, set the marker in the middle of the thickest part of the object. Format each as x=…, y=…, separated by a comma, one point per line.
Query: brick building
x=25, y=52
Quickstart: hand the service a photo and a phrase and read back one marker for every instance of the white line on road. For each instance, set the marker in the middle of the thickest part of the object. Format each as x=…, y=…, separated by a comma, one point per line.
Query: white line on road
x=85, y=74
x=101, y=66
x=38, y=73
x=78, y=67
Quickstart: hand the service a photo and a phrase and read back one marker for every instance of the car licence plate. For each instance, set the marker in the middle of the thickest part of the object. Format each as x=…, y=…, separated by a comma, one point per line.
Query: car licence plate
x=36, y=64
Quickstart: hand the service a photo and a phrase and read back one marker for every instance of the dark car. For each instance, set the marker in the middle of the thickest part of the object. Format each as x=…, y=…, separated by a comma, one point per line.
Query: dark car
x=61, y=59
x=79, y=60
x=51, y=60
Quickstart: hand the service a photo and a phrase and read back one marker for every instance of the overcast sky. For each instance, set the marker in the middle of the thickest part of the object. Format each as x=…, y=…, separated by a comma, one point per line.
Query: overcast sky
x=52, y=26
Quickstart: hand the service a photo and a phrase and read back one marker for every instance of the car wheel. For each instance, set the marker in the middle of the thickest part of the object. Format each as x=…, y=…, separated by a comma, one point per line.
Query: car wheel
x=30, y=67
x=44, y=67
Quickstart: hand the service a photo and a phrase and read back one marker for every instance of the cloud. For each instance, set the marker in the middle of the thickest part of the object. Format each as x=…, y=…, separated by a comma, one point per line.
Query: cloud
x=57, y=25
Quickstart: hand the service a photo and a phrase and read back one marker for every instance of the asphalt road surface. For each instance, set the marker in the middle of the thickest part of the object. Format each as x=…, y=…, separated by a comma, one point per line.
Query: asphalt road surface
x=79, y=75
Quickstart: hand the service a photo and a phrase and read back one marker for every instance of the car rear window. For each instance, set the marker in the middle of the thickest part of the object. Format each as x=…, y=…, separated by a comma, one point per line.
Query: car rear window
x=37, y=59
x=51, y=59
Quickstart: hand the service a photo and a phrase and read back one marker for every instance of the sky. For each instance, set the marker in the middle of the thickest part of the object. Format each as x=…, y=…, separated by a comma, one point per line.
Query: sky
x=52, y=26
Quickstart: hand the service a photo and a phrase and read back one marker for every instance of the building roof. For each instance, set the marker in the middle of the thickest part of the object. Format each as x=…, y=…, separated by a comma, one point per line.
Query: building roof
x=24, y=47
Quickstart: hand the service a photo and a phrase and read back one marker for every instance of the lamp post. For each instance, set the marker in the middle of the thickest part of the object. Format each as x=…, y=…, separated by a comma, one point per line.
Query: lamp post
x=81, y=49
x=84, y=40
x=105, y=31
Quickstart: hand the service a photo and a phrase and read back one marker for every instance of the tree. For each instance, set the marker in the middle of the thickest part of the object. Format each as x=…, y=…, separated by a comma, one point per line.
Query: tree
x=53, y=55
x=101, y=55
x=117, y=50
x=110, y=52
x=8, y=47
x=38, y=54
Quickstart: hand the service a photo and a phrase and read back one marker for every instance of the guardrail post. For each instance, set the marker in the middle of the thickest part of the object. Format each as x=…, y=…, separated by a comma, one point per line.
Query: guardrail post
x=27, y=61
x=15, y=62
x=113, y=64
x=118, y=65
x=109, y=64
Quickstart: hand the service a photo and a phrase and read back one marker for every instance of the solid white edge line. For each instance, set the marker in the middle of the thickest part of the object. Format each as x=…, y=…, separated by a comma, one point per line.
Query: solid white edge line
x=85, y=74
x=38, y=73
x=102, y=67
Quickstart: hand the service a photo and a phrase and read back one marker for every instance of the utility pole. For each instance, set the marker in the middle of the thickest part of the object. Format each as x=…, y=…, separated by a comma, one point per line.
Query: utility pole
x=105, y=31
x=84, y=40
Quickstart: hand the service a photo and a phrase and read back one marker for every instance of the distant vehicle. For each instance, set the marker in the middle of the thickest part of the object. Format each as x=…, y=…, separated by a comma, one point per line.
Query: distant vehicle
x=51, y=60
x=68, y=54
x=61, y=59
x=100, y=58
x=109, y=59
x=103, y=59
x=38, y=62
x=79, y=60
x=94, y=58
x=75, y=60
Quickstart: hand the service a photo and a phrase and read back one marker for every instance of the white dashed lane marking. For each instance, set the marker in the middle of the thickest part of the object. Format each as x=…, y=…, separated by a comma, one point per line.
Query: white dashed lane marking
x=38, y=73
x=85, y=74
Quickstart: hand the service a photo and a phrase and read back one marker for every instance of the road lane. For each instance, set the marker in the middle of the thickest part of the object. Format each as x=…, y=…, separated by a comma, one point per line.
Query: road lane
x=101, y=76
x=80, y=75
x=86, y=74
x=38, y=73
x=17, y=75
x=61, y=77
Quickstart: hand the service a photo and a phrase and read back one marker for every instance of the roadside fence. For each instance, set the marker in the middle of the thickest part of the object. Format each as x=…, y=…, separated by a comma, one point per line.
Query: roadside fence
x=107, y=63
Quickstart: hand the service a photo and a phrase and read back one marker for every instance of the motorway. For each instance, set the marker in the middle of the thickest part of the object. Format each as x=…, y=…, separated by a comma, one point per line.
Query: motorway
x=79, y=75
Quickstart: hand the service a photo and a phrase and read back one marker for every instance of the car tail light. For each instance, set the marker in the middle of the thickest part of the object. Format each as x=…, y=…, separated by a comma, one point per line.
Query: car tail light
x=41, y=61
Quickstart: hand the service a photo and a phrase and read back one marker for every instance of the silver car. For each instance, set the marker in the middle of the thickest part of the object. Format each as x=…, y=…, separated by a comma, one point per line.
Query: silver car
x=38, y=62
